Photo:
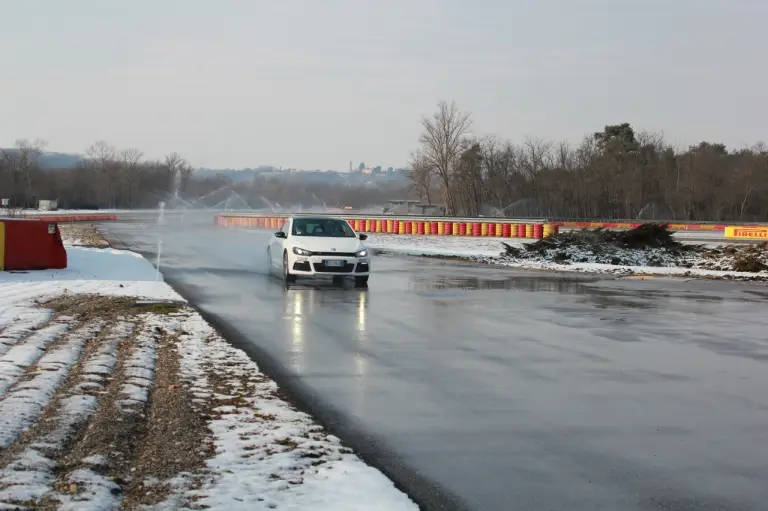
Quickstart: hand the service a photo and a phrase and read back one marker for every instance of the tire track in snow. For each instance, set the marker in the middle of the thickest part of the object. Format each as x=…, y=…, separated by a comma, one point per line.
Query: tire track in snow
x=27, y=399
x=29, y=476
x=15, y=362
x=104, y=455
x=17, y=322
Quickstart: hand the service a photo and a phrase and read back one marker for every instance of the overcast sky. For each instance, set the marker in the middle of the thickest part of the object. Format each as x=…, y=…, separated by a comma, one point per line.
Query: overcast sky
x=316, y=83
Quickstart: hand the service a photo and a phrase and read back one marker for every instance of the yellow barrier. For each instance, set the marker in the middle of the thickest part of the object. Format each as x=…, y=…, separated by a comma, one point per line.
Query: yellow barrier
x=746, y=232
x=529, y=230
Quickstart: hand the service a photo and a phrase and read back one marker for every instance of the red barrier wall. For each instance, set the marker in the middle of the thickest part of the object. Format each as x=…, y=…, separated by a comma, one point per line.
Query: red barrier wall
x=30, y=245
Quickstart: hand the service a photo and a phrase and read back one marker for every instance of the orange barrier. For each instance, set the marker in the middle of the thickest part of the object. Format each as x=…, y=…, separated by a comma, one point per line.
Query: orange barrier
x=412, y=227
x=466, y=227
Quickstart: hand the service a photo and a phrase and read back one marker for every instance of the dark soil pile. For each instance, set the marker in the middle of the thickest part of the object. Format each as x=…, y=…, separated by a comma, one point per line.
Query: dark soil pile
x=647, y=245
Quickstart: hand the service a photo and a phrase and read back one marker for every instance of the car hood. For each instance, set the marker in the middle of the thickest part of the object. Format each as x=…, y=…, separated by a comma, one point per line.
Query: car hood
x=321, y=244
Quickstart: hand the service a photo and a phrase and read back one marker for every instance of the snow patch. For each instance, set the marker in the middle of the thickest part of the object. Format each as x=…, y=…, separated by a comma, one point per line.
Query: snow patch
x=269, y=455
x=24, y=404
x=17, y=359
x=37, y=481
x=140, y=368
x=93, y=491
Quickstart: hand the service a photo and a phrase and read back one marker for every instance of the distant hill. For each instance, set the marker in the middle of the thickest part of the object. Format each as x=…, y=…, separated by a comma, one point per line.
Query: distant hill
x=55, y=160
x=59, y=160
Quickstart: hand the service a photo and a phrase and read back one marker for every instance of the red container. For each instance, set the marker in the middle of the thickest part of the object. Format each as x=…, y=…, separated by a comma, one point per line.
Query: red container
x=538, y=231
x=33, y=245
x=521, y=230
x=408, y=227
x=433, y=227
x=506, y=230
x=396, y=226
x=420, y=227
x=462, y=229
x=476, y=229
x=448, y=228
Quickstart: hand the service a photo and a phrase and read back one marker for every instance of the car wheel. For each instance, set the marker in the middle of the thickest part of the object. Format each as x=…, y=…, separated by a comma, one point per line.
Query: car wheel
x=361, y=281
x=286, y=272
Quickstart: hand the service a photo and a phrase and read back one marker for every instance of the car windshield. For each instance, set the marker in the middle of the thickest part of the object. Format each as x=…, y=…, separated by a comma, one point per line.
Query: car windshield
x=325, y=227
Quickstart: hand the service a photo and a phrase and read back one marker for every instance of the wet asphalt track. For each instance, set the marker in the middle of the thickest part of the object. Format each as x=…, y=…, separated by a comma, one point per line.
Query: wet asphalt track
x=494, y=389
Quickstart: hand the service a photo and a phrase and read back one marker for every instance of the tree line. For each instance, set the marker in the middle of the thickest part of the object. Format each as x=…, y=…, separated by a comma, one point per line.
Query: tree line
x=105, y=178
x=110, y=178
x=613, y=173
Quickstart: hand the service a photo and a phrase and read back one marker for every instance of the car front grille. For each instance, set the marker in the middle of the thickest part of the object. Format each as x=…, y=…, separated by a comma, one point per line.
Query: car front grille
x=347, y=268
x=335, y=254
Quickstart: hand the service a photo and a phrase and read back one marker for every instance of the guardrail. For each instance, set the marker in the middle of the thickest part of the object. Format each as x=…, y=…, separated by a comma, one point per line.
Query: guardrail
x=575, y=224
x=420, y=226
x=71, y=218
x=479, y=226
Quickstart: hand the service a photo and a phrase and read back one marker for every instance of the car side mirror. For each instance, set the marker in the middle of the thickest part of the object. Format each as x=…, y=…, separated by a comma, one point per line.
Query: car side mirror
x=363, y=237
x=280, y=234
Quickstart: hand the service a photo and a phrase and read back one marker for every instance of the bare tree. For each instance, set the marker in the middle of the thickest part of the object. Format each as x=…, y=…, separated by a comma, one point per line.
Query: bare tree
x=27, y=164
x=441, y=145
x=421, y=174
x=103, y=158
x=129, y=159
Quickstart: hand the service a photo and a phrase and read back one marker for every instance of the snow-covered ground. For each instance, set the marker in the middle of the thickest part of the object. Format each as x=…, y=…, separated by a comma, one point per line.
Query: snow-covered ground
x=490, y=250
x=104, y=405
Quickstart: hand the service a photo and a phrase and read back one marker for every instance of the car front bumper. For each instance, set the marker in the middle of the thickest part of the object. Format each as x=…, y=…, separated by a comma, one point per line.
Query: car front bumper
x=323, y=265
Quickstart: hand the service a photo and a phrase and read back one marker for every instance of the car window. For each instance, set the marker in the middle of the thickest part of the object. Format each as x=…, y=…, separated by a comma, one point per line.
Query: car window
x=322, y=227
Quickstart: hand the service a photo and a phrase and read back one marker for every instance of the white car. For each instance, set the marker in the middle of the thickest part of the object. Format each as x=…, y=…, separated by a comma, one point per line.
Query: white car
x=314, y=246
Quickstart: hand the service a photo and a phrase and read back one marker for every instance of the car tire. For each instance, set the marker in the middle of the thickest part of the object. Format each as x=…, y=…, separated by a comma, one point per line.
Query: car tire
x=287, y=275
x=361, y=281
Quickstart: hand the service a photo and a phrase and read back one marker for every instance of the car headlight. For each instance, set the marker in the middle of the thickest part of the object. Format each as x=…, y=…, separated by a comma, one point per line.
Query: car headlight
x=301, y=251
x=362, y=253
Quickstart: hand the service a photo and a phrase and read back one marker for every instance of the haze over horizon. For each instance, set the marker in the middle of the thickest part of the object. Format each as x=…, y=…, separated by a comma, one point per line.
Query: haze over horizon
x=244, y=83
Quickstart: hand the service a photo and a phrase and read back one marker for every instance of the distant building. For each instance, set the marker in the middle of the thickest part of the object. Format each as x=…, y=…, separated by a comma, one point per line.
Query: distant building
x=48, y=205
x=413, y=207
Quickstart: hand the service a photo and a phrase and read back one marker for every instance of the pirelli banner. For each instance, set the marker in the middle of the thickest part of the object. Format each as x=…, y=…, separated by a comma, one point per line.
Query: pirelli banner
x=747, y=232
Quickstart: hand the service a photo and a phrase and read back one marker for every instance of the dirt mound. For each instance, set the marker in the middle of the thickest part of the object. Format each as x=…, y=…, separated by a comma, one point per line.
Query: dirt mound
x=743, y=258
x=647, y=245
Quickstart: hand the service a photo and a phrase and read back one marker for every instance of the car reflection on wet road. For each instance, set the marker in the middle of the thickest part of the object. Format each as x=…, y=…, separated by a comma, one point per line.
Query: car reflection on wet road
x=500, y=389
